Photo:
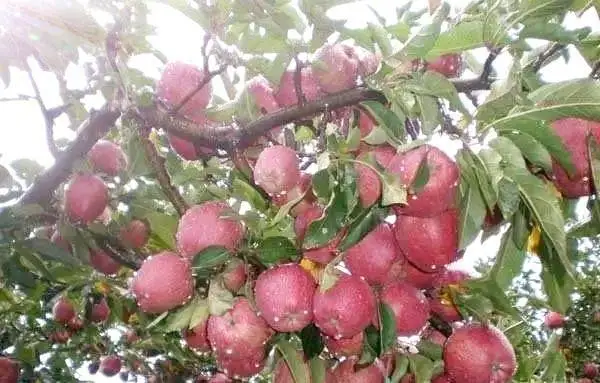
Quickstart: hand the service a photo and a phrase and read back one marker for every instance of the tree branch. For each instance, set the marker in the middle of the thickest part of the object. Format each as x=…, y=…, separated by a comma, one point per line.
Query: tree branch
x=484, y=81
x=21, y=97
x=594, y=74
x=544, y=56
x=298, y=81
x=157, y=162
x=230, y=137
x=48, y=118
x=91, y=130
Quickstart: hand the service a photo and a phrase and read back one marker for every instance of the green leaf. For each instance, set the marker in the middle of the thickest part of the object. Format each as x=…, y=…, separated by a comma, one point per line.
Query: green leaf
x=510, y=153
x=434, y=84
x=553, y=32
x=180, y=319
x=509, y=262
x=220, y=300
x=393, y=190
x=531, y=148
x=161, y=225
x=312, y=342
x=323, y=230
x=247, y=192
x=386, y=119
x=421, y=178
x=361, y=226
x=27, y=169
x=422, y=367
x=430, y=113
x=472, y=213
x=462, y=37
x=211, y=258
x=430, y=349
x=274, y=250
x=488, y=288
x=556, y=281
x=200, y=313
x=401, y=364
x=318, y=370
x=574, y=98
x=545, y=207
x=322, y=183
x=50, y=251
x=293, y=358
x=387, y=327
x=380, y=36
x=419, y=44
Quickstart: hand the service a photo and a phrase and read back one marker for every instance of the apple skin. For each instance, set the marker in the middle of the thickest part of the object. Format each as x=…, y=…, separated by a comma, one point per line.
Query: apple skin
x=478, y=353
x=179, y=79
x=63, y=310
x=9, y=370
x=554, y=320
x=107, y=157
x=439, y=193
x=85, y=198
x=449, y=65
x=336, y=67
x=574, y=132
x=135, y=234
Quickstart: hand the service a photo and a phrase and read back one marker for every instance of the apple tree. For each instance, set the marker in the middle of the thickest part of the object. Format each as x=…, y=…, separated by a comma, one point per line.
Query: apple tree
x=411, y=199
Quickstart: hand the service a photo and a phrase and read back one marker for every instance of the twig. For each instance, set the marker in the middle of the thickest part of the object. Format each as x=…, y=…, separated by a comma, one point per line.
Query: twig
x=298, y=81
x=207, y=77
x=112, y=44
x=544, y=56
x=439, y=324
x=91, y=130
x=48, y=118
x=21, y=97
x=448, y=125
x=157, y=162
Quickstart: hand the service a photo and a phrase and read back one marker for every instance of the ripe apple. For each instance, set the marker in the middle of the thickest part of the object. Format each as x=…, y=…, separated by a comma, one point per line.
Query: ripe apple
x=409, y=305
x=277, y=169
x=163, y=282
x=9, y=370
x=348, y=372
x=110, y=365
x=428, y=243
x=574, y=133
x=85, y=198
x=107, y=157
x=336, y=67
x=554, y=320
x=63, y=310
x=373, y=256
x=135, y=234
x=205, y=225
x=103, y=262
x=302, y=187
x=439, y=193
x=449, y=65
x=196, y=338
x=177, y=81
x=345, y=346
x=284, y=297
x=478, y=353
x=234, y=275
x=100, y=311
x=286, y=92
x=368, y=181
x=590, y=370
x=75, y=324
x=345, y=309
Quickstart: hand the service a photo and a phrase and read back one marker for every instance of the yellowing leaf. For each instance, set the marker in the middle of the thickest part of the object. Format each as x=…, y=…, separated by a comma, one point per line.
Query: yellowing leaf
x=533, y=241
x=313, y=268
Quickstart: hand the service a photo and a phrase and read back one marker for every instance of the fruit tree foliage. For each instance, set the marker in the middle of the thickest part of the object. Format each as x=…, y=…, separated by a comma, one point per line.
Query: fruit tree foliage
x=295, y=205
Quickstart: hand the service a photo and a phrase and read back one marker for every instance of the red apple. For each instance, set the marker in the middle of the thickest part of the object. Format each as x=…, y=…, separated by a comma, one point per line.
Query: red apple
x=107, y=157
x=178, y=80
x=85, y=198
x=63, y=310
x=135, y=234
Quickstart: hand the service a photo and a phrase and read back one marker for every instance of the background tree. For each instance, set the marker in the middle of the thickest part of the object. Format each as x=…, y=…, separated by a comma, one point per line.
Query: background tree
x=295, y=205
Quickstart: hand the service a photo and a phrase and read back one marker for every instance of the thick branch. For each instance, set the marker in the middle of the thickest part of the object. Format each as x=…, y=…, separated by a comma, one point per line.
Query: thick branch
x=157, y=162
x=230, y=137
x=484, y=81
x=94, y=128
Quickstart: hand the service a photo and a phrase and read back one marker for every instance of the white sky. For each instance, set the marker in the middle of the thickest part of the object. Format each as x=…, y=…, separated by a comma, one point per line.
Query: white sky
x=23, y=131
